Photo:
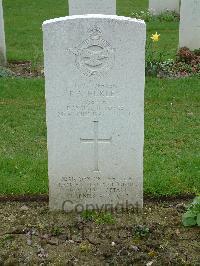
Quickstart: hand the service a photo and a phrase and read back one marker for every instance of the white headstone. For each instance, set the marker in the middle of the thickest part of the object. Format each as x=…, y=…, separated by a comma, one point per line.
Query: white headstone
x=189, y=35
x=95, y=75
x=2, y=37
x=81, y=7
x=159, y=6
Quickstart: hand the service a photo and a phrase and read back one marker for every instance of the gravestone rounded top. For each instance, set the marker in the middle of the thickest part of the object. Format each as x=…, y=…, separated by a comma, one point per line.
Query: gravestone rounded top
x=93, y=16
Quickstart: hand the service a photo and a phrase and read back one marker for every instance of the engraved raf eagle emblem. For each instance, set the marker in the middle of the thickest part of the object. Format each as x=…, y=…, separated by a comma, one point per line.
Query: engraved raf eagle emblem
x=94, y=55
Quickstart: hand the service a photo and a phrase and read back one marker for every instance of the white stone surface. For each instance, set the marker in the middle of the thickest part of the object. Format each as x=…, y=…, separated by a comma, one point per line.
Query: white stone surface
x=159, y=6
x=95, y=75
x=2, y=37
x=189, y=34
x=82, y=7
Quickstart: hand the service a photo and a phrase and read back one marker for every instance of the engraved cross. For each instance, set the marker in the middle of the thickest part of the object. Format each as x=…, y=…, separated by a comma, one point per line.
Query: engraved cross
x=96, y=140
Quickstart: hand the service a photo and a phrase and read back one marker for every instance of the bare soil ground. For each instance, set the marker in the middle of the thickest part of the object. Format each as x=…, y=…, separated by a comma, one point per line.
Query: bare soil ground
x=32, y=235
x=25, y=69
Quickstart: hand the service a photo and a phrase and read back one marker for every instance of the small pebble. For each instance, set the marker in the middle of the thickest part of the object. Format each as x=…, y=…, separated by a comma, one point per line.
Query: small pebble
x=149, y=263
x=135, y=248
x=70, y=241
x=24, y=208
x=29, y=242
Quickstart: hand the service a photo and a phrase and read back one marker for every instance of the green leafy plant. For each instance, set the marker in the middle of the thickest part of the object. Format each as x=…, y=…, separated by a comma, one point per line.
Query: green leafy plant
x=56, y=231
x=98, y=217
x=141, y=231
x=6, y=238
x=4, y=72
x=148, y=16
x=168, y=16
x=192, y=216
x=87, y=215
x=85, y=247
x=197, y=52
x=166, y=68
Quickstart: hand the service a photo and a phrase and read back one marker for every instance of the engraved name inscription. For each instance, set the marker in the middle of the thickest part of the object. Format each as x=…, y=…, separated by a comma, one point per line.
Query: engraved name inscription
x=91, y=93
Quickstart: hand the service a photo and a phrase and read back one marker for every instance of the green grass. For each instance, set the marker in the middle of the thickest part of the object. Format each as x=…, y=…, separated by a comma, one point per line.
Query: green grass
x=172, y=118
x=127, y=7
x=171, y=161
x=23, y=24
x=172, y=145
x=23, y=156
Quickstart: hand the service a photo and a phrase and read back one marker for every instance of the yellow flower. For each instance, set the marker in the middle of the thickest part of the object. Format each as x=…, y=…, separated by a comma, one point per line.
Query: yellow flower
x=155, y=37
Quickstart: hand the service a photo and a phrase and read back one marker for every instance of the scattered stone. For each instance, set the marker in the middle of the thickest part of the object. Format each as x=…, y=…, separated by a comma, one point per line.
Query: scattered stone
x=70, y=241
x=77, y=238
x=45, y=236
x=135, y=248
x=93, y=240
x=113, y=244
x=63, y=237
x=11, y=218
x=42, y=253
x=24, y=208
x=178, y=232
x=53, y=241
x=150, y=263
x=29, y=242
